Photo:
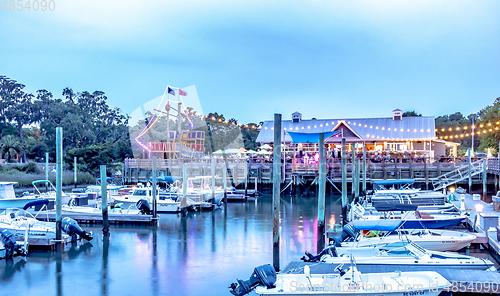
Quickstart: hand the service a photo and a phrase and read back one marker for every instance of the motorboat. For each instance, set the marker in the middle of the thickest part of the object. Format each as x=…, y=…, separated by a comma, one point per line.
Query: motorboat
x=166, y=200
x=365, y=233
x=400, y=191
x=341, y=282
x=401, y=253
x=21, y=223
x=8, y=198
x=51, y=193
x=411, y=216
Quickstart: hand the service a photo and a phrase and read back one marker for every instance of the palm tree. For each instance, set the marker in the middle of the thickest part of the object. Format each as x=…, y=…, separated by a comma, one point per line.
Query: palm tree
x=10, y=146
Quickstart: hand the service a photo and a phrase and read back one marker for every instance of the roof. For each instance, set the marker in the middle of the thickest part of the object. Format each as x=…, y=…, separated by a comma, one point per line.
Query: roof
x=414, y=128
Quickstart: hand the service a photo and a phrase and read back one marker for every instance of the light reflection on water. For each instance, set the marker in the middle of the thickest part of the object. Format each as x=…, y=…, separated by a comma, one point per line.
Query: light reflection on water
x=200, y=254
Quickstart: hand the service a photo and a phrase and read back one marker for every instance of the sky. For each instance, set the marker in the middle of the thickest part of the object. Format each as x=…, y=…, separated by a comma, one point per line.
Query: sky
x=251, y=59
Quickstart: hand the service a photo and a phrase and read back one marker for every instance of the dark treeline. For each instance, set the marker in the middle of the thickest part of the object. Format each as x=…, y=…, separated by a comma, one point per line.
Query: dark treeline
x=92, y=131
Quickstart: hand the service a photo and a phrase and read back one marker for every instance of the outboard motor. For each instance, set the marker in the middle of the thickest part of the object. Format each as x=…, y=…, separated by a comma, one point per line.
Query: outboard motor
x=144, y=207
x=330, y=250
x=349, y=233
x=9, y=242
x=71, y=227
x=264, y=275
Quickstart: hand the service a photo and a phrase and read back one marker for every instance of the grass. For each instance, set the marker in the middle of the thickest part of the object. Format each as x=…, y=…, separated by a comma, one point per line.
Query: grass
x=24, y=179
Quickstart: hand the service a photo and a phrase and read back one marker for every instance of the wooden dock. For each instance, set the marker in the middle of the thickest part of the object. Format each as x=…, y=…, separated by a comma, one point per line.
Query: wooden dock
x=97, y=218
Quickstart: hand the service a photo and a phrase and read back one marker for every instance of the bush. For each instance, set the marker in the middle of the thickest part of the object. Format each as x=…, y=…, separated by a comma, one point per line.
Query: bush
x=30, y=168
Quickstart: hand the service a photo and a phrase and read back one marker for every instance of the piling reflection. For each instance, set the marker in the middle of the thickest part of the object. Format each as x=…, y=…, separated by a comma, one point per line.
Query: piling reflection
x=104, y=271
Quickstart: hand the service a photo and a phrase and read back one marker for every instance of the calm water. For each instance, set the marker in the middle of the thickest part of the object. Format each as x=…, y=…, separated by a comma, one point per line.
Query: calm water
x=200, y=254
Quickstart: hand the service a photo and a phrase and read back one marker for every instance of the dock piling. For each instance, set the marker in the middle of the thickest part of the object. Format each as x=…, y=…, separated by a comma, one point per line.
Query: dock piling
x=364, y=169
x=470, y=169
x=485, y=177
x=104, y=202
x=59, y=168
x=75, y=177
x=322, y=193
x=213, y=176
x=154, y=195
x=276, y=190
x=344, y=180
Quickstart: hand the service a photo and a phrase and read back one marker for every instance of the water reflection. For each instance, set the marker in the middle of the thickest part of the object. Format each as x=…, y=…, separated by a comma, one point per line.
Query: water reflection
x=199, y=254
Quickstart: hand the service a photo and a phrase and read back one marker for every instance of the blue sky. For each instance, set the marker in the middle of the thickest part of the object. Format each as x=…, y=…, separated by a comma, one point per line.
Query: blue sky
x=251, y=59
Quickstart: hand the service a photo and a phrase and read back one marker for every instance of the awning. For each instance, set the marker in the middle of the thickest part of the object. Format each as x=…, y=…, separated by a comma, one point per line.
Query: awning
x=309, y=137
x=394, y=182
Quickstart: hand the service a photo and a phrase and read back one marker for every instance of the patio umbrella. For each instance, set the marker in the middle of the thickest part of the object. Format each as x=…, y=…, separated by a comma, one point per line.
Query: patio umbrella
x=251, y=151
x=218, y=152
x=266, y=147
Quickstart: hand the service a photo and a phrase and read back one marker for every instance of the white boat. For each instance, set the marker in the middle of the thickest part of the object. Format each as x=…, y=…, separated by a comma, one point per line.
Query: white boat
x=341, y=282
x=40, y=233
x=400, y=253
x=430, y=239
x=366, y=233
x=50, y=194
x=8, y=198
x=165, y=200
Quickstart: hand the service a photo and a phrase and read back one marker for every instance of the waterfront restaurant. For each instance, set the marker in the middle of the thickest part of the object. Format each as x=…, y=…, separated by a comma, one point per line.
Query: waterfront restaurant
x=406, y=136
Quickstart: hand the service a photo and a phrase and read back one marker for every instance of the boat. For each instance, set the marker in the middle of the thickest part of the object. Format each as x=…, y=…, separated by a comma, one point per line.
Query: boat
x=363, y=234
x=21, y=223
x=341, y=282
x=166, y=201
x=8, y=198
x=399, y=191
x=399, y=253
x=411, y=216
x=51, y=193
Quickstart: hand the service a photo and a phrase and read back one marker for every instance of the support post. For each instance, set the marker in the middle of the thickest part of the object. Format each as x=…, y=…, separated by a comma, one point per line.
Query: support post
x=153, y=193
x=46, y=170
x=213, y=177
x=485, y=177
x=353, y=170
x=104, y=202
x=184, y=188
x=470, y=171
x=344, y=180
x=322, y=193
x=364, y=169
x=75, y=167
x=224, y=181
x=247, y=165
x=59, y=152
x=276, y=191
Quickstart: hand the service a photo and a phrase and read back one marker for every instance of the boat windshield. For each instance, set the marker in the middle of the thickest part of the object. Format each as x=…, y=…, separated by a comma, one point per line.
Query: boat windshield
x=140, y=192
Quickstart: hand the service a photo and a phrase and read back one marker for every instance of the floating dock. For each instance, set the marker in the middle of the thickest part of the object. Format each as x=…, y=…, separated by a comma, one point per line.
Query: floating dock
x=91, y=218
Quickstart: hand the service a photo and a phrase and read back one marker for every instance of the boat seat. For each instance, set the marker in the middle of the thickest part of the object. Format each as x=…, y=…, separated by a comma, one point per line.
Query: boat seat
x=423, y=215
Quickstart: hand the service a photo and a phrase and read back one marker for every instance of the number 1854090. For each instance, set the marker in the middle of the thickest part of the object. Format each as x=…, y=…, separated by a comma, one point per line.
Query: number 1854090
x=29, y=5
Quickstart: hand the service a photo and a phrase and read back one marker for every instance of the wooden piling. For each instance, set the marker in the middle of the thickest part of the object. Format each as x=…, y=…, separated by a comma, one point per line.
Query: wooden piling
x=46, y=169
x=485, y=176
x=75, y=177
x=59, y=168
x=353, y=170
x=344, y=180
x=322, y=193
x=276, y=191
x=470, y=171
x=104, y=202
x=246, y=178
x=426, y=175
x=224, y=181
x=213, y=176
x=364, y=169
x=154, y=195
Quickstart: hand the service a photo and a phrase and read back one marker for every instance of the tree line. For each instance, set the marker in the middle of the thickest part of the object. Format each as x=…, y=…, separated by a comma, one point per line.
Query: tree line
x=93, y=131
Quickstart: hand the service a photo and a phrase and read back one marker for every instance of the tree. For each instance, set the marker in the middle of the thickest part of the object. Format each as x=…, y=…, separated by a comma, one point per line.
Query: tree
x=10, y=146
x=411, y=113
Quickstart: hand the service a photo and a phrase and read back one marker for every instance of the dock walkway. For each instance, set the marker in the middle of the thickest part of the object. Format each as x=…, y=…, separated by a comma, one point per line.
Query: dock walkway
x=97, y=218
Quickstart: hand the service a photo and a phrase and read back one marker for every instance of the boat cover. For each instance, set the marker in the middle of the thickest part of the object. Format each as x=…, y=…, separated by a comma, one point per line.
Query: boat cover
x=166, y=179
x=387, y=207
x=379, y=224
x=394, y=182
